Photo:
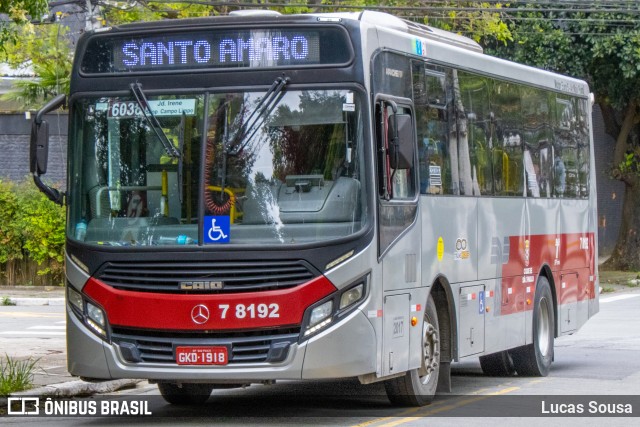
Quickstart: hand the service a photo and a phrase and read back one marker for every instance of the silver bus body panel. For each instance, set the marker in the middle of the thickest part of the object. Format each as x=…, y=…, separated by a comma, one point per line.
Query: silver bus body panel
x=86, y=353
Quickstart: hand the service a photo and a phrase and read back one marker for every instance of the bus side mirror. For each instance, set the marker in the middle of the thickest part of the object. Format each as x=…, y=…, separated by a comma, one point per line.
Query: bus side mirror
x=39, y=148
x=401, y=144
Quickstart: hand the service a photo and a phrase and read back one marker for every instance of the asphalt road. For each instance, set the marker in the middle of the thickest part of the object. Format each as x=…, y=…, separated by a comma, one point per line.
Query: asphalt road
x=600, y=360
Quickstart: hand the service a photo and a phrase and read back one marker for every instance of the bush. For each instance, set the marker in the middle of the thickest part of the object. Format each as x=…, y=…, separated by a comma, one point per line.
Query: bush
x=10, y=236
x=32, y=228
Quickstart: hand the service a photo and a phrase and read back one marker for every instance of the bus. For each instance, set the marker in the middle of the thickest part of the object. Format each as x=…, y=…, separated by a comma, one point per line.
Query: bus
x=262, y=197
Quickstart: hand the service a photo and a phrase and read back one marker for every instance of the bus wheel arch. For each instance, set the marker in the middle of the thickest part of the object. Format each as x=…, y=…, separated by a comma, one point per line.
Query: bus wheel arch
x=418, y=386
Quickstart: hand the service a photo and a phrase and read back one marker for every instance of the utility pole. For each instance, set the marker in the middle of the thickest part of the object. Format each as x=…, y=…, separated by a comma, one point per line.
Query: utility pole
x=92, y=17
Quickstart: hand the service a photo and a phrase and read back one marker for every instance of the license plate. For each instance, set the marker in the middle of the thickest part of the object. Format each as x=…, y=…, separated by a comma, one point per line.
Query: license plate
x=201, y=355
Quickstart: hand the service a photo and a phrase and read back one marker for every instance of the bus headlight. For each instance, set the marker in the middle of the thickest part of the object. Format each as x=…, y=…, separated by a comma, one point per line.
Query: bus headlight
x=351, y=296
x=76, y=299
x=96, y=319
x=320, y=313
x=88, y=313
x=333, y=308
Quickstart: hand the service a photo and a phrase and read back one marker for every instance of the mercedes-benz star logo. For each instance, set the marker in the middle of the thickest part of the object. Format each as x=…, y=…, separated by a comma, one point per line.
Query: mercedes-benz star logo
x=200, y=314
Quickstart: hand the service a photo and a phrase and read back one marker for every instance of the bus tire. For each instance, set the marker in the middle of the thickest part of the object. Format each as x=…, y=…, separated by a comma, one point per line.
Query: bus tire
x=534, y=360
x=497, y=364
x=185, y=394
x=418, y=386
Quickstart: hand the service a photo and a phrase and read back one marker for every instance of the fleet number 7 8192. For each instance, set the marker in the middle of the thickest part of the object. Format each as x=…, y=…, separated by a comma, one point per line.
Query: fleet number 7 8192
x=249, y=311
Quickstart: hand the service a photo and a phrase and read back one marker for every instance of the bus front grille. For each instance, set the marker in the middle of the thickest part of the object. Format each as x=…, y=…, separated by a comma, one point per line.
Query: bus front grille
x=243, y=348
x=206, y=277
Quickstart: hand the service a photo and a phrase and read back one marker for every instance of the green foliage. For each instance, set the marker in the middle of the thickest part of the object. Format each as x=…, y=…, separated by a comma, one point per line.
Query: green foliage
x=47, y=50
x=32, y=228
x=19, y=12
x=16, y=375
x=480, y=24
x=601, y=47
x=10, y=233
x=6, y=301
x=43, y=226
x=155, y=11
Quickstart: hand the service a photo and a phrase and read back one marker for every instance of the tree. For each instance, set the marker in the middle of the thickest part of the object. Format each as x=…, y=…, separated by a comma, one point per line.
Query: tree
x=478, y=20
x=20, y=13
x=47, y=51
x=600, y=46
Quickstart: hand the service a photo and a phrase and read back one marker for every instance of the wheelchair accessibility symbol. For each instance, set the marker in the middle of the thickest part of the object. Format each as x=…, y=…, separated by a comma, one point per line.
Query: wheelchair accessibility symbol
x=216, y=229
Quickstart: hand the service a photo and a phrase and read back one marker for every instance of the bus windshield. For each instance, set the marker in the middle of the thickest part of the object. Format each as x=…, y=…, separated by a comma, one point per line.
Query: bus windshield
x=271, y=167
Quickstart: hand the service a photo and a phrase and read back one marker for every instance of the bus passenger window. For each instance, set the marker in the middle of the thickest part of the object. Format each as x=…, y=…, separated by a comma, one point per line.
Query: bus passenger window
x=507, y=158
x=583, y=139
x=474, y=94
x=539, y=152
x=566, y=181
x=432, y=111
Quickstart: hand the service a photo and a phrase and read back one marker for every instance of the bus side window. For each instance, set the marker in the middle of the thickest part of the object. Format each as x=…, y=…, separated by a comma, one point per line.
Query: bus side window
x=507, y=156
x=474, y=94
x=539, y=151
x=583, y=140
x=432, y=104
x=566, y=149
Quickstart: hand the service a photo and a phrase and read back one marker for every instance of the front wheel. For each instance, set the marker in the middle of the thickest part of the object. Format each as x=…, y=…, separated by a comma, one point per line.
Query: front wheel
x=185, y=394
x=534, y=360
x=418, y=386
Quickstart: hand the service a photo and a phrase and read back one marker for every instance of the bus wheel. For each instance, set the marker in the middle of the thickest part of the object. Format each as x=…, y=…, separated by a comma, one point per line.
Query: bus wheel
x=497, y=364
x=534, y=360
x=185, y=394
x=418, y=386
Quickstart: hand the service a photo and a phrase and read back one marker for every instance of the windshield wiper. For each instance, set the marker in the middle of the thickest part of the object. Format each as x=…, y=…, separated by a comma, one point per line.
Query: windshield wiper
x=152, y=120
x=262, y=110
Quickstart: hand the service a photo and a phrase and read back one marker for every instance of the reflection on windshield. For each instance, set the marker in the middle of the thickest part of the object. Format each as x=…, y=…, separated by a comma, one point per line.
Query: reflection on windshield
x=295, y=178
x=280, y=167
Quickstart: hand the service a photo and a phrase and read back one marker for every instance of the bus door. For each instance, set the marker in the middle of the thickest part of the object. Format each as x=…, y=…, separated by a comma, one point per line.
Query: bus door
x=398, y=231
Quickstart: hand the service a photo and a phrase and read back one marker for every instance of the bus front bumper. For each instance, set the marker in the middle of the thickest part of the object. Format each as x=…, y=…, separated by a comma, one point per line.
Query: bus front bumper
x=346, y=349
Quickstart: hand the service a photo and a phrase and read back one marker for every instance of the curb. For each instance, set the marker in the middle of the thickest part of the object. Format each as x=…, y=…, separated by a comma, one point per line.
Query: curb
x=78, y=388
x=36, y=301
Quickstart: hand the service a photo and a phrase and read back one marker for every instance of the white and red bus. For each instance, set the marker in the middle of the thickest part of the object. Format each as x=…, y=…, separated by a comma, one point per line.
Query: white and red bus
x=264, y=197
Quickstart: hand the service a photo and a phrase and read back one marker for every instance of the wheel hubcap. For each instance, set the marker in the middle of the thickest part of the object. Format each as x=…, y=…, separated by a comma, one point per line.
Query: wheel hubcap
x=430, y=351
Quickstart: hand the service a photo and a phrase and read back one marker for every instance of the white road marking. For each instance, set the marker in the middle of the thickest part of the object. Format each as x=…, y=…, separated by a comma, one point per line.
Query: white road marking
x=60, y=328
x=32, y=333
x=618, y=298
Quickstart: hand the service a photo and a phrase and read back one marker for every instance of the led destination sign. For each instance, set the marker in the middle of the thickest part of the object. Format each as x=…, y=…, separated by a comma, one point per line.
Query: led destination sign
x=263, y=48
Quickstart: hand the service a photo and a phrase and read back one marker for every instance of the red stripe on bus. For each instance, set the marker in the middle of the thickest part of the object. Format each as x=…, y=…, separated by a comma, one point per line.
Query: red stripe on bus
x=570, y=257
x=248, y=310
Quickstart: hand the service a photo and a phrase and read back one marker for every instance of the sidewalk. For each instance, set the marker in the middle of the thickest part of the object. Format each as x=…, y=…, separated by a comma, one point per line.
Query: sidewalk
x=33, y=295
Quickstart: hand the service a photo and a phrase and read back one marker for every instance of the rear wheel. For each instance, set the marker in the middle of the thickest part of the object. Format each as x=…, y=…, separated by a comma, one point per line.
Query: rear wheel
x=497, y=364
x=534, y=360
x=185, y=394
x=418, y=386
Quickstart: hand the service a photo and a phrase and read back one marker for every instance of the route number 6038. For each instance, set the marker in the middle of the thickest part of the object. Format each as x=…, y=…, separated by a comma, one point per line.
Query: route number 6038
x=250, y=311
